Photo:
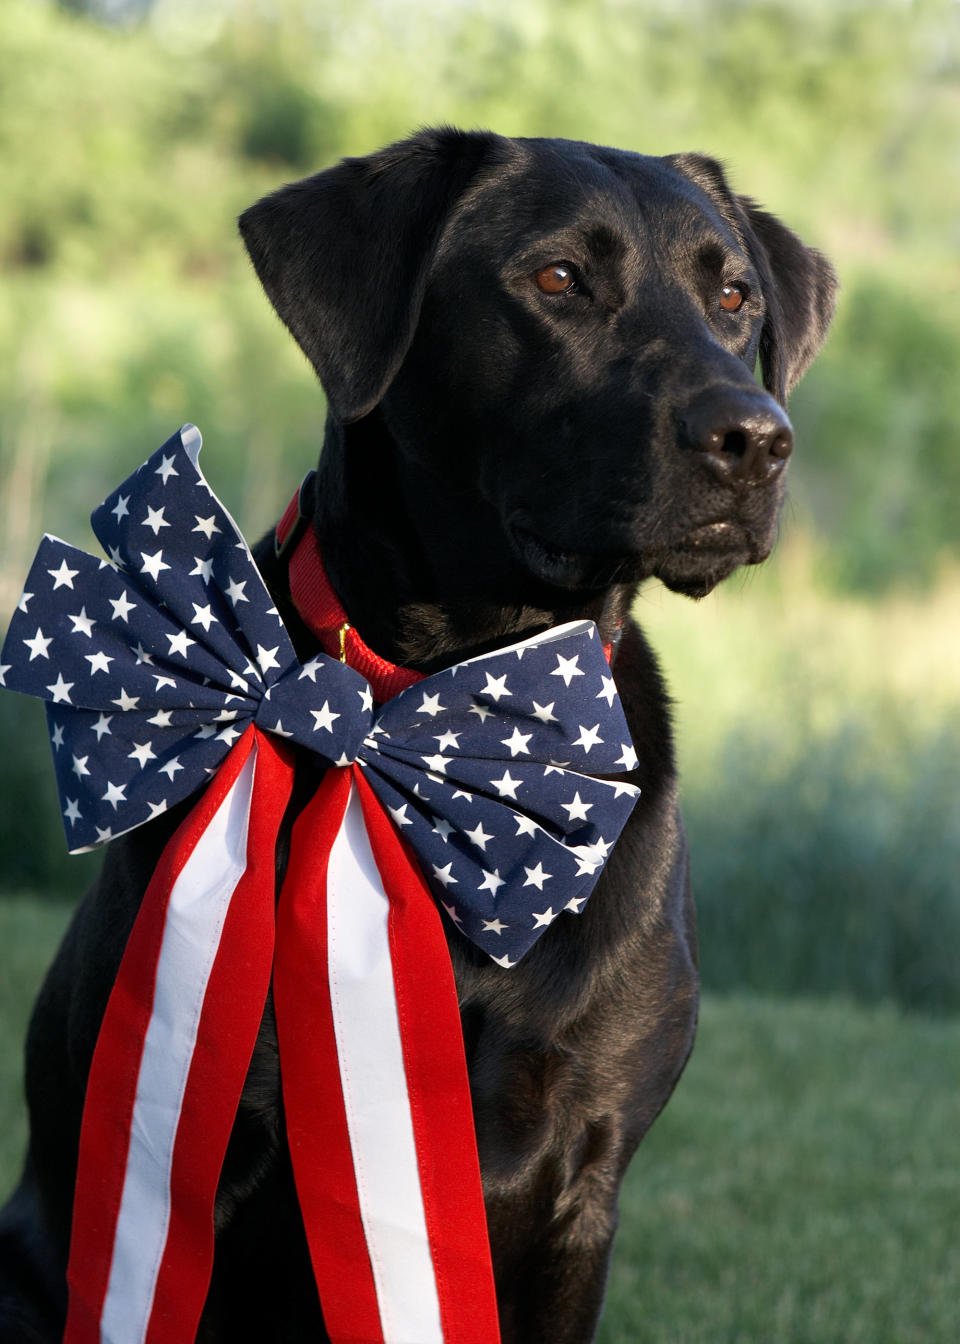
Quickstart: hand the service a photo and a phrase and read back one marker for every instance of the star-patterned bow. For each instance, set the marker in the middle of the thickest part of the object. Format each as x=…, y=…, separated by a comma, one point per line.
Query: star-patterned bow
x=155, y=661
x=167, y=672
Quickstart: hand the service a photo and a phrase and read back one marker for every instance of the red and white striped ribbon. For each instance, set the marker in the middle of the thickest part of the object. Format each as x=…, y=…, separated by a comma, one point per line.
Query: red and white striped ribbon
x=375, y=1086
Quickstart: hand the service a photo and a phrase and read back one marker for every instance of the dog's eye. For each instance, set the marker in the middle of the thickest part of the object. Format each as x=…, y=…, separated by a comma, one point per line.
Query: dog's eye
x=557, y=278
x=732, y=297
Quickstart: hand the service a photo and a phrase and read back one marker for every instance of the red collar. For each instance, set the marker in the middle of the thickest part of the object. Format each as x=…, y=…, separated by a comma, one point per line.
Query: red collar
x=321, y=610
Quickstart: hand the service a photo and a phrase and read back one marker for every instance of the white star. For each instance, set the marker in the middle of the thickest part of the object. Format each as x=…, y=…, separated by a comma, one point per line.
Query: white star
x=203, y=616
x=235, y=591
x=82, y=623
x=576, y=809
x=567, y=668
x=79, y=766
x=479, y=837
x=505, y=786
x=525, y=825
x=61, y=691
x=99, y=662
x=156, y=809
x=155, y=519
x=170, y=768
x=628, y=757
x=120, y=509
x=153, y=564
x=447, y=741
x=38, y=645
x=122, y=607
x=444, y=874
x=116, y=559
x=24, y=600
x=442, y=828
x=588, y=859
x=106, y=833
x=265, y=657
x=126, y=702
x=536, y=877
x=166, y=469
x=620, y=787
x=366, y=698
x=495, y=687
x=324, y=717
x=179, y=643
x=102, y=726
x=63, y=577
x=555, y=767
x=544, y=918
x=72, y=811
x=431, y=705
x=142, y=655
x=57, y=738
x=311, y=669
x=491, y=881
x=545, y=712
x=609, y=692
x=115, y=794
x=452, y=912
x=460, y=794
x=206, y=730
x=206, y=525
x=161, y=719
x=493, y=926
x=142, y=752
x=202, y=569
x=505, y=962
x=228, y=735
x=4, y=669
x=575, y=903
x=483, y=712
x=164, y=681
x=226, y=716
x=436, y=764
x=399, y=815
x=280, y=731
x=517, y=742
x=589, y=737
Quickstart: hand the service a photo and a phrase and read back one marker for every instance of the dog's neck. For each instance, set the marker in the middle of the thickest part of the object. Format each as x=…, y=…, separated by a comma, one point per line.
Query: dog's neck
x=424, y=571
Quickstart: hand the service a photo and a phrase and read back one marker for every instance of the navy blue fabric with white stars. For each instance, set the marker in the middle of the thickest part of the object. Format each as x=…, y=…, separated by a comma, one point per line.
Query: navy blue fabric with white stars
x=154, y=661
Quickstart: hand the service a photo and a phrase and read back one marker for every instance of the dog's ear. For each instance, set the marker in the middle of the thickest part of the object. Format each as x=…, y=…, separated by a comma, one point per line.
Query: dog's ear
x=344, y=255
x=800, y=287
x=799, y=284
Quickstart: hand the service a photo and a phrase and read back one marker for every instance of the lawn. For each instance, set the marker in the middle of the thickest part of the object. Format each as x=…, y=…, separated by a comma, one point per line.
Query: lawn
x=802, y=1186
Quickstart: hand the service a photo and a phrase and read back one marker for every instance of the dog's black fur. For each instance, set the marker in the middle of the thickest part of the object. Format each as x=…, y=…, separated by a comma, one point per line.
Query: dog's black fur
x=497, y=460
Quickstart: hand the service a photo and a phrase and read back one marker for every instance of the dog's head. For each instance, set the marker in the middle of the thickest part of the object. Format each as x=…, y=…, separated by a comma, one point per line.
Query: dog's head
x=566, y=332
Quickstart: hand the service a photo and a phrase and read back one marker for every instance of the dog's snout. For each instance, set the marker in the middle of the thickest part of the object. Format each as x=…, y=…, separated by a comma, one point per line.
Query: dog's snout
x=744, y=436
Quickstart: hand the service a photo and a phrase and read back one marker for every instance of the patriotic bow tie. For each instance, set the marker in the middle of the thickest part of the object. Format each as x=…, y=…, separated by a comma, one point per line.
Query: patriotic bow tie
x=167, y=671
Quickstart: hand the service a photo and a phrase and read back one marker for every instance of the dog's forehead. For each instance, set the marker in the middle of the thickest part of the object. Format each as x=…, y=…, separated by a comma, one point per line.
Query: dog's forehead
x=555, y=187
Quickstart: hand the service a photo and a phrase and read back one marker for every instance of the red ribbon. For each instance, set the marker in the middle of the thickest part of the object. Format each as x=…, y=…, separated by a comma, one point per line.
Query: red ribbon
x=107, y=1263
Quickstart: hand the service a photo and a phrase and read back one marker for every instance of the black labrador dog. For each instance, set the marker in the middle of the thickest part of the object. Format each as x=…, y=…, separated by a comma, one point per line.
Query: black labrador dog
x=539, y=360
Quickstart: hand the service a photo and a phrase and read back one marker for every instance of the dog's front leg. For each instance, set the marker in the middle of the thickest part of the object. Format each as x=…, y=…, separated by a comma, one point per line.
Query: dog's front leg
x=552, y=1266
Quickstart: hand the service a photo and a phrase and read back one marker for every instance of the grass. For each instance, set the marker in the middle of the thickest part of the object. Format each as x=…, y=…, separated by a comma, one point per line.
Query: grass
x=800, y=1187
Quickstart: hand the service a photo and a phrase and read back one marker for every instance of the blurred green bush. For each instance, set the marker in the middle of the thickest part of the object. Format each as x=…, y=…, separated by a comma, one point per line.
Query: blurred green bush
x=825, y=849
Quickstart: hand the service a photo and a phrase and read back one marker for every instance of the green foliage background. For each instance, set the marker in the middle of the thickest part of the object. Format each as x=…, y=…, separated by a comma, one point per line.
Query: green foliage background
x=819, y=765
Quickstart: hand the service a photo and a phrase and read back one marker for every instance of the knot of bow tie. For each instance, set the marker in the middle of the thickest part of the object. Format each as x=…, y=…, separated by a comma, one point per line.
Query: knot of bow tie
x=155, y=661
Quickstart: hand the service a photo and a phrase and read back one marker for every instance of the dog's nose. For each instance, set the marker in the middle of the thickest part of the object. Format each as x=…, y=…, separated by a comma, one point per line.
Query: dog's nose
x=745, y=436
